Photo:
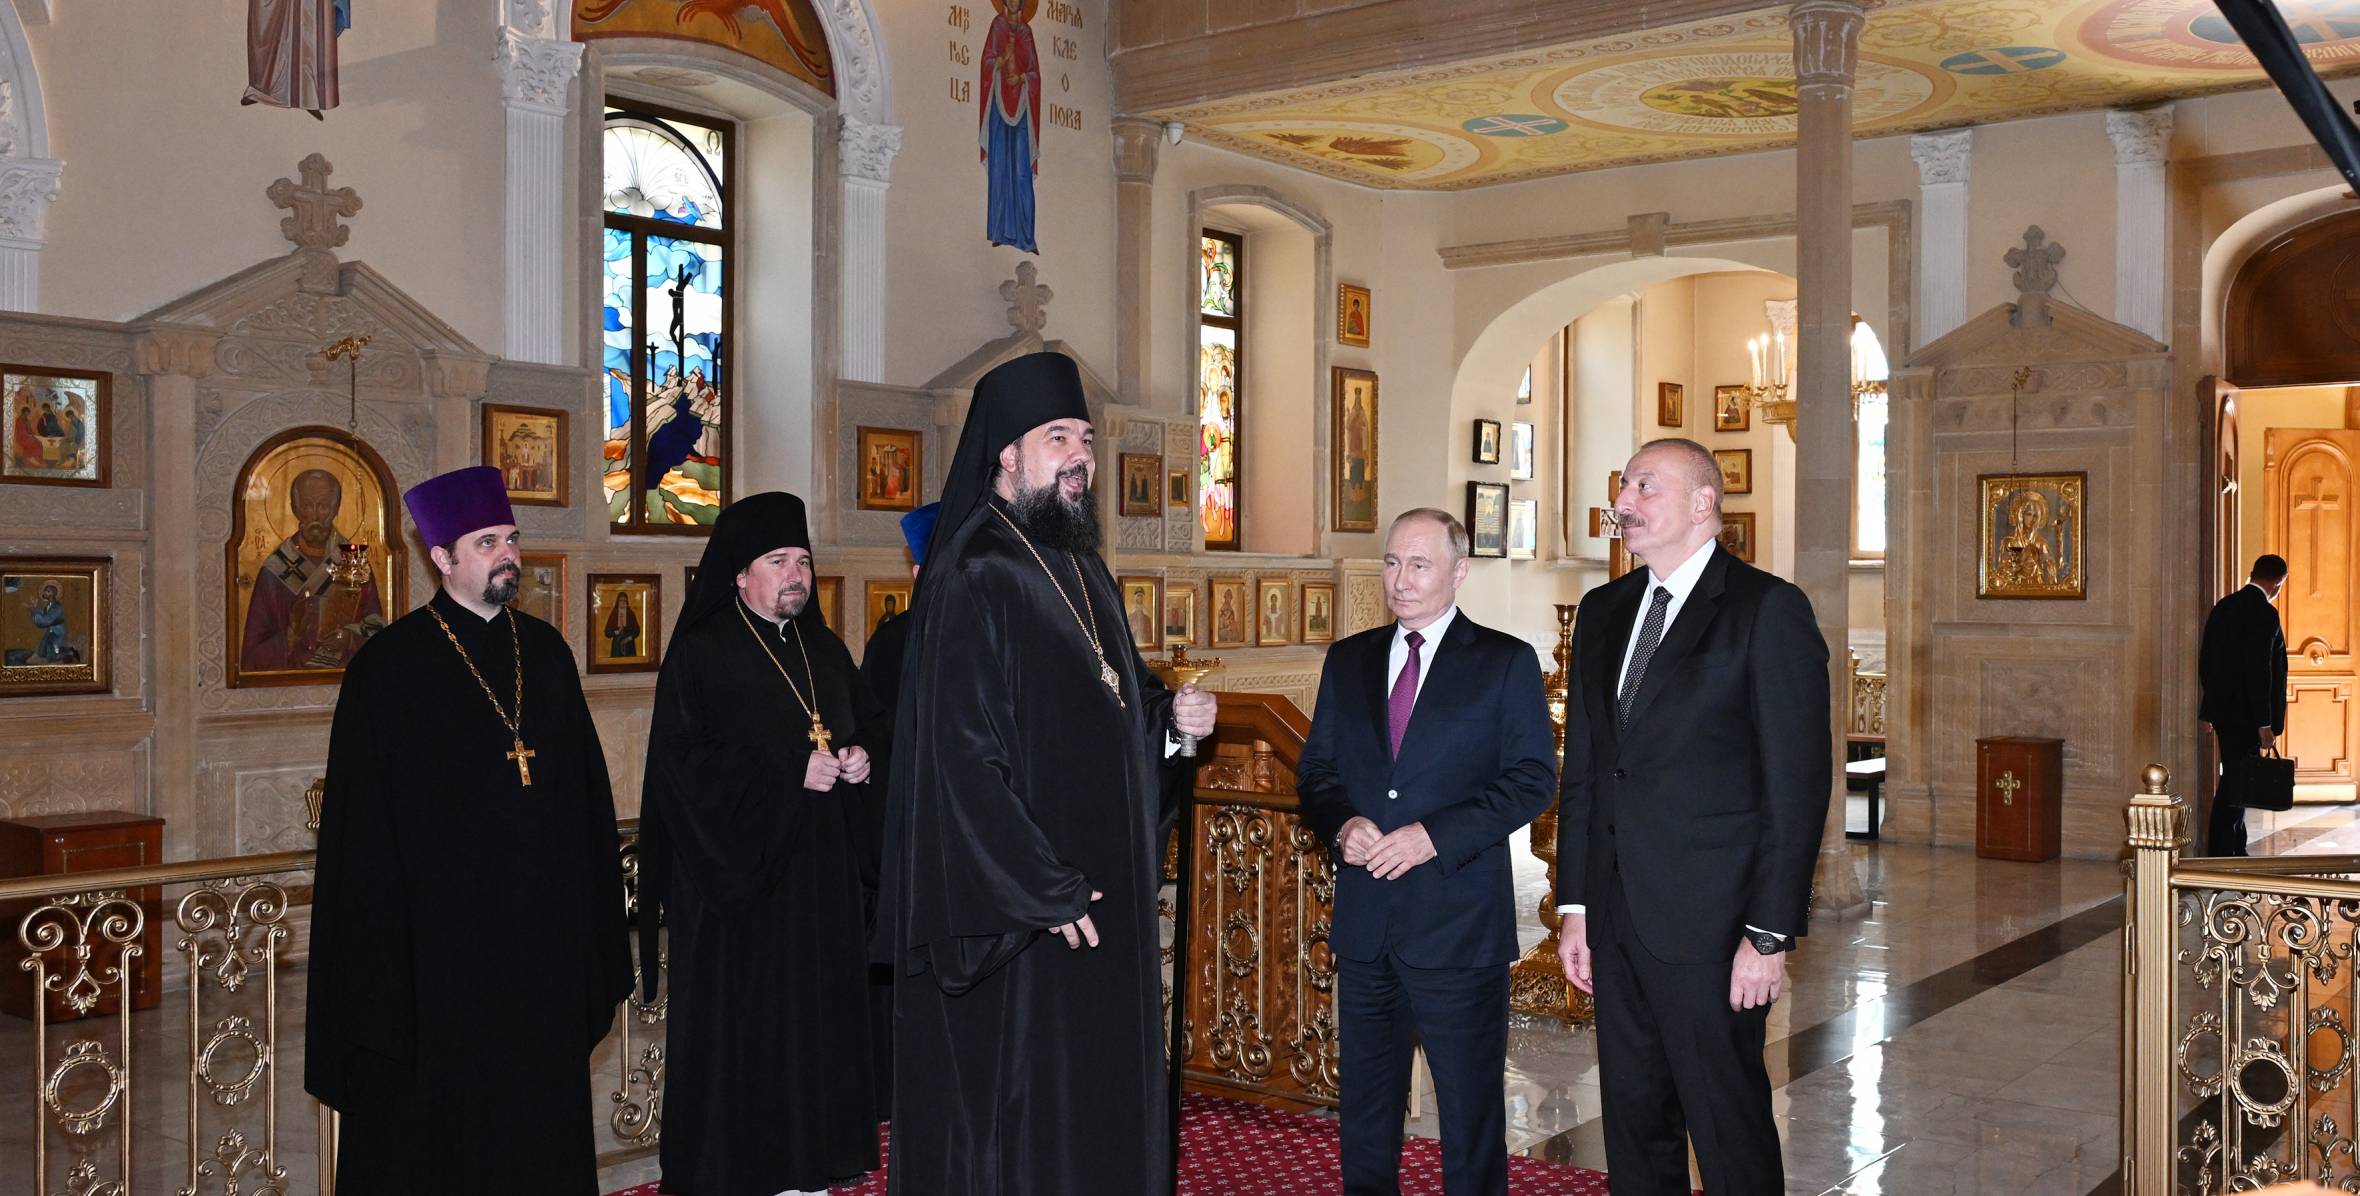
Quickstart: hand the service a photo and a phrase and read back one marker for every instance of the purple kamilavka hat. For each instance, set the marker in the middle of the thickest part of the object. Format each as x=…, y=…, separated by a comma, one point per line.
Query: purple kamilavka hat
x=448, y=506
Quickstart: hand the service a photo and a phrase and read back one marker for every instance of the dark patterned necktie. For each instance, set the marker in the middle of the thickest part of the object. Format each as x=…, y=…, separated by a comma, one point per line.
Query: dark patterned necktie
x=1650, y=634
x=1405, y=694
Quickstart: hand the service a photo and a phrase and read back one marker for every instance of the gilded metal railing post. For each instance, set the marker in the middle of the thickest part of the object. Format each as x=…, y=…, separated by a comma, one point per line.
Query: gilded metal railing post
x=2158, y=826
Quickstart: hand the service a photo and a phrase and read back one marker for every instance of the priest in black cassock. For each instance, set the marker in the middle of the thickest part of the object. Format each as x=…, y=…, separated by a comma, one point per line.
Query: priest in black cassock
x=1032, y=750
x=758, y=843
x=467, y=938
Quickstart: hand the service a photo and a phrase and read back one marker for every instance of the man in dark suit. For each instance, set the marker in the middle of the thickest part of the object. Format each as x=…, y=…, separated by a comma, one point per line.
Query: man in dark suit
x=1429, y=746
x=2241, y=667
x=1699, y=754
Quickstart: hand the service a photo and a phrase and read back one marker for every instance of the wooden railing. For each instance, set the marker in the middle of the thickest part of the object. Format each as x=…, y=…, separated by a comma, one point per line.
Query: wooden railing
x=2241, y=1022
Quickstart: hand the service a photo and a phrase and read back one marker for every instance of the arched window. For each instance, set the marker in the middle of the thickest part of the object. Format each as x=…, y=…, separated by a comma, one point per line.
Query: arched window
x=1868, y=494
x=1220, y=364
x=666, y=318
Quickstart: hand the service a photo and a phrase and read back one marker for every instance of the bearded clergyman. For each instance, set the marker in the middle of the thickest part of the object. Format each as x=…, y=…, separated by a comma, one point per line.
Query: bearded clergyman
x=467, y=938
x=1033, y=756
x=758, y=847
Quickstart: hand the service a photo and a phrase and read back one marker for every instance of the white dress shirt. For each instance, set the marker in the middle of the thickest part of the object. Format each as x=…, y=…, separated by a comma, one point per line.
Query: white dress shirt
x=1429, y=644
x=1681, y=583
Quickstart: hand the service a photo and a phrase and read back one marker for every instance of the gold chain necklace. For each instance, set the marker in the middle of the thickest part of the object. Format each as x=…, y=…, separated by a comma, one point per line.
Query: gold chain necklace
x=1106, y=672
x=520, y=753
x=819, y=730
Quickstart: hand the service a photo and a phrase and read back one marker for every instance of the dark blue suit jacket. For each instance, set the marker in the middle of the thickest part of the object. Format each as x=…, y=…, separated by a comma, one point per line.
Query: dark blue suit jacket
x=1477, y=762
x=1709, y=808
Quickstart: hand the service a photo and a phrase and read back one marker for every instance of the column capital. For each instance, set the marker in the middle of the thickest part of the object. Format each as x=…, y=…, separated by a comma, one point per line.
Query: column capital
x=1137, y=142
x=27, y=185
x=173, y=350
x=536, y=73
x=866, y=151
x=1943, y=157
x=1827, y=41
x=2140, y=135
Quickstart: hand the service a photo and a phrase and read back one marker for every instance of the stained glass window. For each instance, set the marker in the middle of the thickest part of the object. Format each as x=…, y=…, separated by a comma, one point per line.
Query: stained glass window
x=1220, y=361
x=666, y=318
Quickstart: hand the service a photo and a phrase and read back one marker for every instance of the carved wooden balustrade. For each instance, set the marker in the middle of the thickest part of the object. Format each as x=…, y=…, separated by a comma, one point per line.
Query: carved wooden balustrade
x=1261, y=991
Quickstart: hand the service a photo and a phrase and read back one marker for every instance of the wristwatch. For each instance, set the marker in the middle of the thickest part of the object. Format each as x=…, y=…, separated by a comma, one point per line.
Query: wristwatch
x=1767, y=943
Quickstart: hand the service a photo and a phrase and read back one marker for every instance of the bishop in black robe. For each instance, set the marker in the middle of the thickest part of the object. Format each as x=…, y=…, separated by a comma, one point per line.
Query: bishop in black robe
x=467, y=937
x=1026, y=797
x=763, y=881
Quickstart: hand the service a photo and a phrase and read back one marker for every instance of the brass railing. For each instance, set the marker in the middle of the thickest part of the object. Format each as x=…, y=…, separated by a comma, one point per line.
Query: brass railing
x=100, y=1108
x=2241, y=1021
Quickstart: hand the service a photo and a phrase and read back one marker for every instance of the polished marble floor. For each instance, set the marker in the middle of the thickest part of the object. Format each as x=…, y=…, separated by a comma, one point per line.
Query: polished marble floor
x=1962, y=1037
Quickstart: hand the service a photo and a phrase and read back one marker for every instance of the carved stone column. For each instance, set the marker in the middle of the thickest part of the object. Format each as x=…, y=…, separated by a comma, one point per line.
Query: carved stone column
x=536, y=80
x=1827, y=45
x=865, y=162
x=27, y=185
x=2142, y=140
x=1137, y=141
x=456, y=382
x=1943, y=160
x=172, y=360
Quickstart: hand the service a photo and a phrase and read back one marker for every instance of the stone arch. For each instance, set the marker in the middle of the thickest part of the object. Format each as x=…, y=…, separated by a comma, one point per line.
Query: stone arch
x=2275, y=267
x=855, y=50
x=28, y=175
x=24, y=122
x=1280, y=213
x=1496, y=358
x=2240, y=241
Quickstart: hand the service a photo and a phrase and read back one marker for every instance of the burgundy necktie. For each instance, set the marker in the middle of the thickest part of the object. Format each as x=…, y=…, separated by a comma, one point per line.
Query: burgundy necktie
x=1405, y=694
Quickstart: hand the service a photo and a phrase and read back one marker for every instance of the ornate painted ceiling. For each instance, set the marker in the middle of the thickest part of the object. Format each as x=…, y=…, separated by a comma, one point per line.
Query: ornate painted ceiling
x=1727, y=86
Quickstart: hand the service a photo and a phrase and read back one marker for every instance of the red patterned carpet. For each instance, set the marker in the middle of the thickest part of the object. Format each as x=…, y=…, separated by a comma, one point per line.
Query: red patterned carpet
x=1232, y=1148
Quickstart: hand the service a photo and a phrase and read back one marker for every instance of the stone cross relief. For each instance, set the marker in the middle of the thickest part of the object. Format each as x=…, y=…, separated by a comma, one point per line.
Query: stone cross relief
x=1028, y=300
x=2035, y=262
x=312, y=222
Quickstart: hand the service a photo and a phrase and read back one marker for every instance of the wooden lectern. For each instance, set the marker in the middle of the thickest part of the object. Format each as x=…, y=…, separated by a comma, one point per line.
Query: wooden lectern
x=63, y=844
x=2019, y=792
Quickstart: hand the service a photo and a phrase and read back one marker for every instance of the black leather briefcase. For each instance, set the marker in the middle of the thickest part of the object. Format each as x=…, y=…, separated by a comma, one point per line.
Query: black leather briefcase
x=2264, y=782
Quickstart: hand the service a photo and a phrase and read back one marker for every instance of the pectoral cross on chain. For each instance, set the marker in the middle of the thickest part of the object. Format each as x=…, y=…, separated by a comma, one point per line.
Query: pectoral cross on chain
x=524, y=771
x=2007, y=784
x=819, y=735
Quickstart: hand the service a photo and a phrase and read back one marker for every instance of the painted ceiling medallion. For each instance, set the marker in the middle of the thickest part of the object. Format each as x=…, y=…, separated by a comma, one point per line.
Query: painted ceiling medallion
x=1733, y=93
x=1398, y=151
x=2175, y=33
x=1725, y=85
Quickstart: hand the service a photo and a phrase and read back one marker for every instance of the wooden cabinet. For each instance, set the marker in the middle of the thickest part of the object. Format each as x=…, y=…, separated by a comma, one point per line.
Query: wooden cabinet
x=61, y=845
x=2019, y=791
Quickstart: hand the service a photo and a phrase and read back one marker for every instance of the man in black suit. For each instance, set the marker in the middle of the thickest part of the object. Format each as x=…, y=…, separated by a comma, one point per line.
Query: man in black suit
x=1429, y=747
x=1699, y=754
x=2241, y=667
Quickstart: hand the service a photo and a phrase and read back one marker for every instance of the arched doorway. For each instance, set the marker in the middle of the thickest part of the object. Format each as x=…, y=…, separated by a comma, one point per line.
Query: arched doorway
x=2285, y=418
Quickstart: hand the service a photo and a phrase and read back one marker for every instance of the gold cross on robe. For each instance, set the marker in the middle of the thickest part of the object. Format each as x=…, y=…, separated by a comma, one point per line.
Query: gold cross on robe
x=524, y=771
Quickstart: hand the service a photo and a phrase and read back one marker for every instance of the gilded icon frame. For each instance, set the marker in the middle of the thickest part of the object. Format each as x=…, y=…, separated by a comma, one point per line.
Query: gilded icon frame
x=2047, y=561
x=56, y=589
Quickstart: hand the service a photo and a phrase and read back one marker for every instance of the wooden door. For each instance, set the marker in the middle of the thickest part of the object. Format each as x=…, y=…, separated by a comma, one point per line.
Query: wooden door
x=2312, y=474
